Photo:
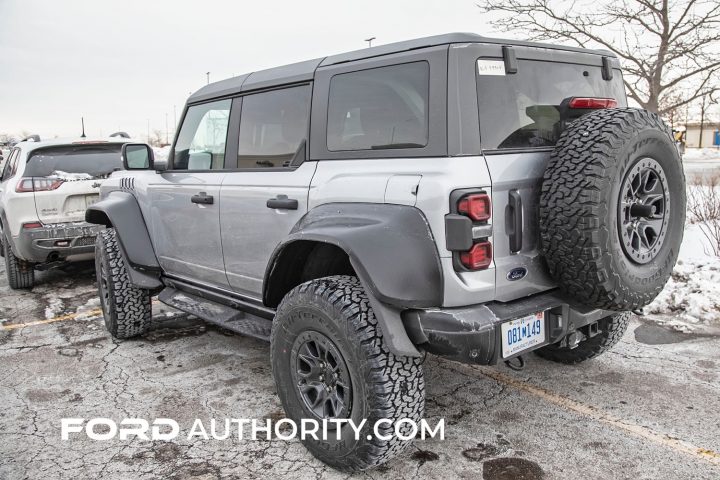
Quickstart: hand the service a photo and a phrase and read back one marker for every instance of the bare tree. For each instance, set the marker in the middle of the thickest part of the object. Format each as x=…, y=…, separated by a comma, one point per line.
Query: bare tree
x=665, y=46
x=705, y=103
x=157, y=139
x=703, y=206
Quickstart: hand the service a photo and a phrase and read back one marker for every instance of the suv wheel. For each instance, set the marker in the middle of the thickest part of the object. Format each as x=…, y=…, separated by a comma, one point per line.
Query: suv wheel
x=126, y=308
x=612, y=208
x=329, y=361
x=612, y=329
x=20, y=274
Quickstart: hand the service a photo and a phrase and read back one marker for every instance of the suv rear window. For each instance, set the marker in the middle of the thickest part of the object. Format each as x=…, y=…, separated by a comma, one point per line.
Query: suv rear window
x=384, y=107
x=523, y=110
x=77, y=161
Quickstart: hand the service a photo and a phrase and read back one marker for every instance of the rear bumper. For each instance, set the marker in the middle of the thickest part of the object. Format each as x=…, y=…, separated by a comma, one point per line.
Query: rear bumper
x=56, y=242
x=473, y=334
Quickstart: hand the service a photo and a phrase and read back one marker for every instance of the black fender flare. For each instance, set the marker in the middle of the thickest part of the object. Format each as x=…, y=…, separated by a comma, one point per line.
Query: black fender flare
x=121, y=211
x=392, y=250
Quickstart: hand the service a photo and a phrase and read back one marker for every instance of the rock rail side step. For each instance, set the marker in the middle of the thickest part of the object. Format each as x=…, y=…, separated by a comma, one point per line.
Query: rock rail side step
x=234, y=320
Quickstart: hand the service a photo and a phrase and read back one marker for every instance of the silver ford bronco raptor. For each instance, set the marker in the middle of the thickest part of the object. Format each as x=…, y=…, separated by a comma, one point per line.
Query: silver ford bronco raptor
x=458, y=195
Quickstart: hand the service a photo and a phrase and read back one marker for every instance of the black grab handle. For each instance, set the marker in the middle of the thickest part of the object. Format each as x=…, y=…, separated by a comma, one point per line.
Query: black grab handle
x=516, y=221
x=203, y=199
x=283, y=202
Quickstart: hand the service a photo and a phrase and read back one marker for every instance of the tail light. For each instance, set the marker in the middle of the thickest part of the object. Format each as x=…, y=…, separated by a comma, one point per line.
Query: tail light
x=476, y=206
x=478, y=257
x=592, y=103
x=31, y=225
x=33, y=184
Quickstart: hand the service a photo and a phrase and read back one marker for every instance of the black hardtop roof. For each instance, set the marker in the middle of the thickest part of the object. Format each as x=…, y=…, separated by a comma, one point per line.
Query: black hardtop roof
x=304, y=71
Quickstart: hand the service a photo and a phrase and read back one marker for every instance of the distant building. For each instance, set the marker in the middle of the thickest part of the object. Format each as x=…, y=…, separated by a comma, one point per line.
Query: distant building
x=692, y=135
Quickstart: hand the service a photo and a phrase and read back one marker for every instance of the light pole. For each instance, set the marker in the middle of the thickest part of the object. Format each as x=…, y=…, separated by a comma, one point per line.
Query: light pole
x=369, y=40
x=148, y=130
x=208, y=77
x=167, y=134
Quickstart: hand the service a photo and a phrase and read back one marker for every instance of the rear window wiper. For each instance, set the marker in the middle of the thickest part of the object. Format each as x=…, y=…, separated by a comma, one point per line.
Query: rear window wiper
x=397, y=145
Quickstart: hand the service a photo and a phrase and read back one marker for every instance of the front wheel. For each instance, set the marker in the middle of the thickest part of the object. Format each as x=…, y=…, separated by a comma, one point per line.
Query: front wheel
x=330, y=361
x=611, y=328
x=126, y=308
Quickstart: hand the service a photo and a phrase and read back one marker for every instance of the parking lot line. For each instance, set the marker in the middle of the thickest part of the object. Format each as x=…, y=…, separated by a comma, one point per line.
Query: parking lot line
x=596, y=414
x=62, y=318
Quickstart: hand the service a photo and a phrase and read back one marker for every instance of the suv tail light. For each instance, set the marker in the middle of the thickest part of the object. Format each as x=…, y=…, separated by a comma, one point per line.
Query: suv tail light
x=32, y=184
x=476, y=206
x=592, y=103
x=478, y=257
x=31, y=225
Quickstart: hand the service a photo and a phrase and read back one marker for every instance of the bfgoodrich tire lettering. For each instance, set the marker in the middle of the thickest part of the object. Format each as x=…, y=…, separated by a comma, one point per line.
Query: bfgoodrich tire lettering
x=383, y=385
x=126, y=308
x=580, y=204
x=20, y=274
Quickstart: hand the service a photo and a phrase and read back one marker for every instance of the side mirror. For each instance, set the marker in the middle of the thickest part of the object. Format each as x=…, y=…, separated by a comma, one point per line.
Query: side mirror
x=137, y=156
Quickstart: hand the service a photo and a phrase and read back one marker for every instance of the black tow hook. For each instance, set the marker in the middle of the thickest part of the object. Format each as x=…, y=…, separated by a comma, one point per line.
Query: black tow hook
x=517, y=367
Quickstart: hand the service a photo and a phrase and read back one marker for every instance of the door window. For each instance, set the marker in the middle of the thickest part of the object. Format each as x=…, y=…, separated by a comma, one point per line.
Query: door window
x=10, y=165
x=273, y=128
x=380, y=108
x=201, y=142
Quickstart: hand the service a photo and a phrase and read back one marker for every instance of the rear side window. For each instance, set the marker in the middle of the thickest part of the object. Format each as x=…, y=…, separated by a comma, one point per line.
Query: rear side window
x=273, y=126
x=526, y=110
x=74, y=162
x=201, y=142
x=10, y=165
x=379, y=108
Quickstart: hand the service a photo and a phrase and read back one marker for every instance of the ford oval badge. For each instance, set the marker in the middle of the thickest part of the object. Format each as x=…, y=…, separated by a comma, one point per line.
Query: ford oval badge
x=517, y=273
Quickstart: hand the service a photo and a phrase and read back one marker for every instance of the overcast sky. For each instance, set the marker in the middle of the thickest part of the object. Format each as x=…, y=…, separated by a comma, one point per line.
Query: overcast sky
x=120, y=63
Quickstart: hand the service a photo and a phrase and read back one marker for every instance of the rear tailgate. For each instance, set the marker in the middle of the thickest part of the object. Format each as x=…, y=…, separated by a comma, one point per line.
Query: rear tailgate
x=67, y=179
x=522, y=114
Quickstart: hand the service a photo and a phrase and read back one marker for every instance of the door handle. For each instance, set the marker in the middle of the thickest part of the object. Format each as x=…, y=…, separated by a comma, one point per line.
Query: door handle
x=516, y=221
x=202, y=198
x=283, y=202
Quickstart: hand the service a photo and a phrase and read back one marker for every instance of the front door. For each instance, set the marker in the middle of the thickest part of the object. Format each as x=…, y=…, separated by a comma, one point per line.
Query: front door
x=185, y=218
x=267, y=195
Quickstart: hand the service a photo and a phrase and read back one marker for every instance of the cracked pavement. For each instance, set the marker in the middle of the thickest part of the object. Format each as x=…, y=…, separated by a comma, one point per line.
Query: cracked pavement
x=648, y=409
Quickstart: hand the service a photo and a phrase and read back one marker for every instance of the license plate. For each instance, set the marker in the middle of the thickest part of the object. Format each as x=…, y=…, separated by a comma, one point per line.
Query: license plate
x=522, y=333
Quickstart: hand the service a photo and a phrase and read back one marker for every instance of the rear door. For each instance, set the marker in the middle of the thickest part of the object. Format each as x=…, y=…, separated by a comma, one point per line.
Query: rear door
x=66, y=179
x=185, y=200
x=522, y=115
x=265, y=197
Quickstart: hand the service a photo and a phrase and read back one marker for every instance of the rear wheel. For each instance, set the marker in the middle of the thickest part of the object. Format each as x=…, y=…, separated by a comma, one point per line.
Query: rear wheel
x=20, y=274
x=126, y=308
x=611, y=328
x=330, y=361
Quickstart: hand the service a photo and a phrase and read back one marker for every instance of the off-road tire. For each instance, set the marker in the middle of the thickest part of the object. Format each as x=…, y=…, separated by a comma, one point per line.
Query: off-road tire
x=20, y=274
x=383, y=385
x=127, y=309
x=612, y=329
x=579, y=228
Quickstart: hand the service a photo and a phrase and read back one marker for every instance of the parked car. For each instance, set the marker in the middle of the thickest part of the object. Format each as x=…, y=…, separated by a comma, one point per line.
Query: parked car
x=469, y=197
x=45, y=188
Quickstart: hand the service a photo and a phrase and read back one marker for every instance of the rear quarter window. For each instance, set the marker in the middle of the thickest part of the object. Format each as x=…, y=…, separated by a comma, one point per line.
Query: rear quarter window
x=379, y=108
x=523, y=110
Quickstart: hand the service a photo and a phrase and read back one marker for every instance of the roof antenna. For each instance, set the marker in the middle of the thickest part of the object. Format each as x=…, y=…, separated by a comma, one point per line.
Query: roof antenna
x=82, y=120
x=369, y=41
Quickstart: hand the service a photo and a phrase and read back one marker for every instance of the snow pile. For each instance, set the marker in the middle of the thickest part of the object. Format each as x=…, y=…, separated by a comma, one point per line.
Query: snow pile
x=707, y=154
x=71, y=177
x=692, y=295
x=161, y=153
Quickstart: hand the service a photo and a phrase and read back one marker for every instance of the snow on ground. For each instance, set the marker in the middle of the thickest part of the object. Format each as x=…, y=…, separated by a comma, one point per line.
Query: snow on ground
x=161, y=153
x=692, y=295
x=701, y=161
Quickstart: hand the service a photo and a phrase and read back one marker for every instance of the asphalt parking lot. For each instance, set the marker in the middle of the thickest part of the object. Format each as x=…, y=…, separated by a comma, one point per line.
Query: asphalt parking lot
x=649, y=409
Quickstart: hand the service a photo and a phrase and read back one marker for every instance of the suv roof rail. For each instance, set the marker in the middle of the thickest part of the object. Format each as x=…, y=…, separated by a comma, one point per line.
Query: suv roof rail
x=120, y=134
x=31, y=138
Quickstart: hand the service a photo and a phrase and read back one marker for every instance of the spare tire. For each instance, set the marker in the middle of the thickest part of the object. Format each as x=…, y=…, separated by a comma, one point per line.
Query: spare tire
x=612, y=208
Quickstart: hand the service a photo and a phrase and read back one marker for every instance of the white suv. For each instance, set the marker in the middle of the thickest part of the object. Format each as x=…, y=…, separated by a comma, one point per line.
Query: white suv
x=45, y=188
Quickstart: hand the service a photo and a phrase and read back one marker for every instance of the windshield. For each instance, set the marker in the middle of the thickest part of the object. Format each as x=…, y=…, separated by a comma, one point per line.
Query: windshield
x=526, y=109
x=75, y=162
